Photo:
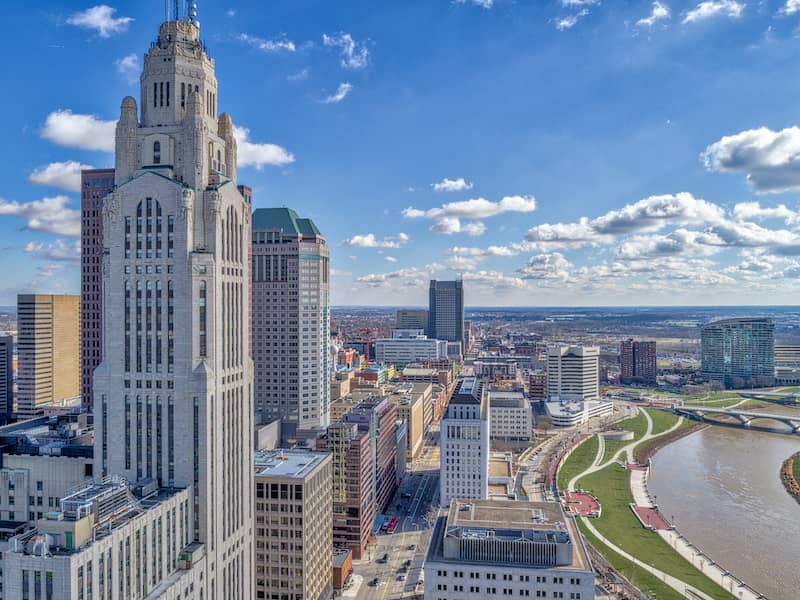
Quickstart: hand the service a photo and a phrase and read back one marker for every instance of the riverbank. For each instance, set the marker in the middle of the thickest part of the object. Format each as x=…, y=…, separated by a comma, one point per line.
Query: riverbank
x=790, y=471
x=646, y=451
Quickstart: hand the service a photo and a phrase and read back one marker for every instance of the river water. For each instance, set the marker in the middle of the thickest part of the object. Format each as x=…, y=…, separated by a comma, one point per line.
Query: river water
x=722, y=486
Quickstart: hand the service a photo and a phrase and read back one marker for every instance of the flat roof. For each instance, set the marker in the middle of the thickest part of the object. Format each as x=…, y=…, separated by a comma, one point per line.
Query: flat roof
x=287, y=463
x=499, y=467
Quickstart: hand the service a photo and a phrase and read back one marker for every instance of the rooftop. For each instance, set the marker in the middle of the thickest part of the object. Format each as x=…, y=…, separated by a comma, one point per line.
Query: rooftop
x=507, y=399
x=285, y=220
x=287, y=463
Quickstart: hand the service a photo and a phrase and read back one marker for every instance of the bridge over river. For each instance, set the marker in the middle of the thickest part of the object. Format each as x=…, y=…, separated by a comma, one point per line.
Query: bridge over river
x=744, y=418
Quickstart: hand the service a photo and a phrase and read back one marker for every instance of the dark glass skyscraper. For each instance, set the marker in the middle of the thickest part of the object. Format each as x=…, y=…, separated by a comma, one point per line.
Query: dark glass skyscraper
x=739, y=352
x=446, y=310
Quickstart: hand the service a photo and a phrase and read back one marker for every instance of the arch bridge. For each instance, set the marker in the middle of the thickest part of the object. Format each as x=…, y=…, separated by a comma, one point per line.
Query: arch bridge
x=744, y=417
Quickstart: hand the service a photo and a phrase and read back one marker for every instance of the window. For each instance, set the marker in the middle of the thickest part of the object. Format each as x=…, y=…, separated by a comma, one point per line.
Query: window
x=156, y=153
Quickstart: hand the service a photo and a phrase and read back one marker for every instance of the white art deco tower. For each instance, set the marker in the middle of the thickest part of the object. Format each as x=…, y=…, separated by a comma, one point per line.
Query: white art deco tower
x=173, y=394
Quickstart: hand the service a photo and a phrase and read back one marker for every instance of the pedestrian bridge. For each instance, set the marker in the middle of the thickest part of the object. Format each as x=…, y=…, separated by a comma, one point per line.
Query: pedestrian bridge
x=744, y=418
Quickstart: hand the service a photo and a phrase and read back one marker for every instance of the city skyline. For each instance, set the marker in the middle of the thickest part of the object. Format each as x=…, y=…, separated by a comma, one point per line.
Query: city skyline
x=611, y=175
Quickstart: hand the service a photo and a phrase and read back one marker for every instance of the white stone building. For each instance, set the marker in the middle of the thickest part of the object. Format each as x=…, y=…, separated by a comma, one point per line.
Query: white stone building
x=464, y=435
x=510, y=416
x=405, y=349
x=573, y=373
x=507, y=549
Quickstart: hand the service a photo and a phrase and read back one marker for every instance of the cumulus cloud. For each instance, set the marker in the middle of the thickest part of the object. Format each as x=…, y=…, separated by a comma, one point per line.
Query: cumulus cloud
x=354, y=55
x=340, y=94
x=100, y=19
x=370, y=241
x=659, y=12
x=770, y=159
x=475, y=208
x=251, y=154
x=654, y=212
x=552, y=266
x=493, y=279
x=754, y=210
x=86, y=132
x=570, y=21
x=790, y=7
x=491, y=251
x=57, y=250
x=452, y=185
x=63, y=175
x=128, y=67
x=390, y=259
x=566, y=235
x=51, y=215
x=714, y=8
x=269, y=46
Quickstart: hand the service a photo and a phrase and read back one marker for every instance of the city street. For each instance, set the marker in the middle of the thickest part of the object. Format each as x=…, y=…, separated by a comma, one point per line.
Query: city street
x=395, y=560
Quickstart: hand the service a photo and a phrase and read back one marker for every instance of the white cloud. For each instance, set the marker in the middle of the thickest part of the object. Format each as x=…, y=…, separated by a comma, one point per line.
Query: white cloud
x=354, y=55
x=51, y=215
x=754, y=210
x=390, y=259
x=552, y=266
x=128, y=67
x=251, y=154
x=771, y=159
x=566, y=235
x=300, y=75
x=491, y=251
x=452, y=185
x=493, y=280
x=475, y=208
x=791, y=7
x=64, y=175
x=340, y=273
x=654, y=212
x=269, y=46
x=340, y=94
x=570, y=21
x=100, y=19
x=86, y=132
x=714, y=8
x=231, y=12
x=370, y=241
x=578, y=3
x=57, y=250
x=482, y=3
x=660, y=12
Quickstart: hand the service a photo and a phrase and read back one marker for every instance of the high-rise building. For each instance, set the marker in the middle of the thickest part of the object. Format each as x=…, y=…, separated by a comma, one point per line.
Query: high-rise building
x=173, y=395
x=48, y=350
x=6, y=378
x=412, y=318
x=739, y=352
x=537, y=386
x=291, y=320
x=446, y=310
x=353, y=485
x=637, y=361
x=573, y=373
x=95, y=185
x=464, y=436
x=294, y=525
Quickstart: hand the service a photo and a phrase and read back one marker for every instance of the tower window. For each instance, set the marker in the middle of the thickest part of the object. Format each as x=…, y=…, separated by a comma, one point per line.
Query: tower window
x=155, y=95
x=156, y=153
x=183, y=95
x=161, y=95
x=168, y=93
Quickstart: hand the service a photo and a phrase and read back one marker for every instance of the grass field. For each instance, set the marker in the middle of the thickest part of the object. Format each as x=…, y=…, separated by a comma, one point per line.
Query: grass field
x=662, y=420
x=618, y=524
x=577, y=462
x=637, y=424
x=796, y=470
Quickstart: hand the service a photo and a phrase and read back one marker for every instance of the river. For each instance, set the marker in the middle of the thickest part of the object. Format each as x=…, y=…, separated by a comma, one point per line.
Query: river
x=723, y=488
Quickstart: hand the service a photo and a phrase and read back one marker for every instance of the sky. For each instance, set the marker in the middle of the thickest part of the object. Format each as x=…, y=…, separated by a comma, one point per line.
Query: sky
x=549, y=152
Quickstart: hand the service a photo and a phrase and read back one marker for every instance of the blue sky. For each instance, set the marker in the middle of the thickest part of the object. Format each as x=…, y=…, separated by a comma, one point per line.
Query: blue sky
x=553, y=152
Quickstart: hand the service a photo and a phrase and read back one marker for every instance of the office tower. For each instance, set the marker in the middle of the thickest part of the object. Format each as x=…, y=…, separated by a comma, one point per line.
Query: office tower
x=537, y=386
x=291, y=320
x=573, y=373
x=173, y=397
x=408, y=346
x=95, y=185
x=446, y=310
x=6, y=378
x=637, y=361
x=510, y=416
x=739, y=352
x=469, y=336
x=408, y=318
x=378, y=417
x=294, y=525
x=353, y=485
x=517, y=549
x=48, y=351
x=464, y=435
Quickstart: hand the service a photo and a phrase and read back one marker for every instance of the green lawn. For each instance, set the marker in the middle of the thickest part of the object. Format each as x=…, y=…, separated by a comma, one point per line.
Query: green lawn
x=637, y=424
x=643, y=580
x=577, y=462
x=715, y=402
x=796, y=469
x=662, y=420
x=618, y=524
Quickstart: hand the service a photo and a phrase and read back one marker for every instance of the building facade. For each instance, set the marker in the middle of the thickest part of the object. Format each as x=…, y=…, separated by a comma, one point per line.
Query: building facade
x=401, y=351
x=48, y=349
x=637, y=361
x=291, y=320
x=294, y=525
x=408, y=318
x=173, y=394
x=464, y=441
x=537, y=386
x=6, y=378
x=739, y=352
x=446, y=310
x=507, y=549
x=573, y=373
x=510, y=416
x=95, y=185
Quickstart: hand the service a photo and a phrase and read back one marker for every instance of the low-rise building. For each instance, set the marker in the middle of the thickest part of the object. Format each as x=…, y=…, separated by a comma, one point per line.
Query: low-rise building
x=507, y=549
x=409, y=346
x=573, y=414
x=294, y=525
x=510, y=416
x=496, y=368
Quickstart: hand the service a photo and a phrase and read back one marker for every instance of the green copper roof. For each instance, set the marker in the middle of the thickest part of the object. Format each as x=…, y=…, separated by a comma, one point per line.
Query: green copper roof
x=283, y=219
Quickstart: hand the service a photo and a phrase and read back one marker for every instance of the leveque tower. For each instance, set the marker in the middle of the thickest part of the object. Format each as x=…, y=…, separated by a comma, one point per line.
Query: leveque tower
x=173, y=394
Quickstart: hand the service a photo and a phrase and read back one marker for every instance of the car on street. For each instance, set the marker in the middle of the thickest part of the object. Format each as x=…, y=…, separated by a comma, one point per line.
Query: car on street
x=412, y=547
x=384, y=559
x=374, y=582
